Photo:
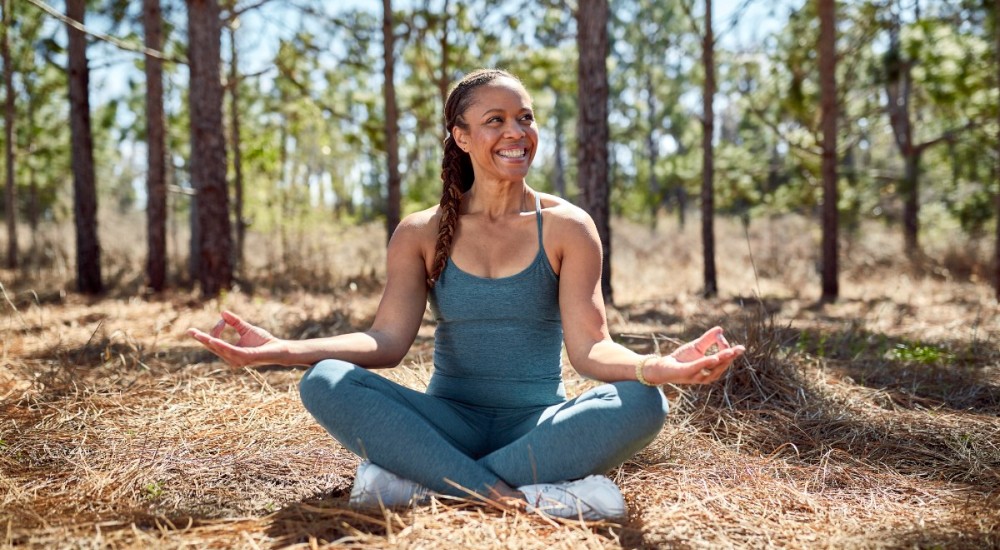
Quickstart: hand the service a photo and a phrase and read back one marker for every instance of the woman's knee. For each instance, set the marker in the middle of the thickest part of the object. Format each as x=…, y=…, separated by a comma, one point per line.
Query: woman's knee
x=323, y=380
x=644, y=402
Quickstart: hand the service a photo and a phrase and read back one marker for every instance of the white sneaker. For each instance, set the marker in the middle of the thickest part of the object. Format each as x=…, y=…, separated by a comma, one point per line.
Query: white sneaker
x=593, y=498
x=375, y=487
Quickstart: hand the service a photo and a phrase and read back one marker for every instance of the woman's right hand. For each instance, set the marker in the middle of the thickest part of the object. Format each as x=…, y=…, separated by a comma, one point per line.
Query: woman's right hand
x=255, y=345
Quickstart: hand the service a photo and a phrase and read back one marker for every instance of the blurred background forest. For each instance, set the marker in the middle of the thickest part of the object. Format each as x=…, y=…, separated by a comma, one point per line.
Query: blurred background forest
x=194, y=124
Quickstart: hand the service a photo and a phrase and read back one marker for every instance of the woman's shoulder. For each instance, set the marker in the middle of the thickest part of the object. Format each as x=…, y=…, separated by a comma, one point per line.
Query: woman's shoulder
x=564, y=214
x=419, y=226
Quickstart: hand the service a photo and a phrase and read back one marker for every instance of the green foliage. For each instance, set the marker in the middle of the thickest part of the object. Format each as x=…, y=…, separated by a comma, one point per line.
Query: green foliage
x=312, y=115
x=920, y=353
x=153, y=490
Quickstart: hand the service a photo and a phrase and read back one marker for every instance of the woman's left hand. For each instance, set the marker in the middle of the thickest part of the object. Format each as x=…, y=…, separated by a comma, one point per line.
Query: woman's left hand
x=701, y=361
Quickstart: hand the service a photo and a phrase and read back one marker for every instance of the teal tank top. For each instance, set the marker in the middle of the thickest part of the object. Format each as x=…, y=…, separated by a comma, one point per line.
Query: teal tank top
x=498, y=341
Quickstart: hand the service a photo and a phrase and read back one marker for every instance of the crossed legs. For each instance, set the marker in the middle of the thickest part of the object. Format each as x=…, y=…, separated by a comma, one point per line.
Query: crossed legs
x=447, y=448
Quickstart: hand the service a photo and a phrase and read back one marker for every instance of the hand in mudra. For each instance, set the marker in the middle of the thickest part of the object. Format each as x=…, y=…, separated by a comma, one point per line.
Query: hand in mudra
x=253, y=347
x=700, y=361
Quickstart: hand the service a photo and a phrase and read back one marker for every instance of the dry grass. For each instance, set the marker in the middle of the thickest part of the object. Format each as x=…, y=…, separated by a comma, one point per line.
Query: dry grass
x=870, y=423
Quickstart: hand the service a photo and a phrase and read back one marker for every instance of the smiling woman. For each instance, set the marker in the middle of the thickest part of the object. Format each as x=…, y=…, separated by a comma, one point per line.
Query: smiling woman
x=511, y=275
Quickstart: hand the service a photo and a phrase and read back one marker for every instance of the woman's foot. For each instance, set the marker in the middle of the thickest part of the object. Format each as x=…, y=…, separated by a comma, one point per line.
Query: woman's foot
x=592, y=498
x=375, y=487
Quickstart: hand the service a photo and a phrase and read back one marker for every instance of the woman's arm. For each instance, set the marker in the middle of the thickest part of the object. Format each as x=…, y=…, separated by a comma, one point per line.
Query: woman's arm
x=383, y=345
x=588, y=341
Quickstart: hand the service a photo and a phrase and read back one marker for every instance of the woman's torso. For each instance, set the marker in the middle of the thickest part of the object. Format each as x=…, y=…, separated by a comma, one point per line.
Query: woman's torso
x=498, y=340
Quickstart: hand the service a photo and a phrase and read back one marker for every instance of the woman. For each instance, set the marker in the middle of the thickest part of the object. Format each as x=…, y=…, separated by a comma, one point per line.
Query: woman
x=511, y=274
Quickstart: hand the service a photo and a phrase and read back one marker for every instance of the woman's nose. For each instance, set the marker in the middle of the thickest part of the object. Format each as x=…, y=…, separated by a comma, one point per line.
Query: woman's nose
x=514, y=129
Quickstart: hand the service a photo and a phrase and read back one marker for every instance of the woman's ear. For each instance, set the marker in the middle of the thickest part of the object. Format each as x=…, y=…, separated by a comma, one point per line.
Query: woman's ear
x=461, y=138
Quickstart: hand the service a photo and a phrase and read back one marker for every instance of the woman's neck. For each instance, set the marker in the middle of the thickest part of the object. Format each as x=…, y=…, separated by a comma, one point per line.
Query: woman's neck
x=497, y=199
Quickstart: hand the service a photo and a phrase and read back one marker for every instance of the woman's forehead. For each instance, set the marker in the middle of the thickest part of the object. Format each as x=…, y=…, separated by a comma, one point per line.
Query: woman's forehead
x=499, y=93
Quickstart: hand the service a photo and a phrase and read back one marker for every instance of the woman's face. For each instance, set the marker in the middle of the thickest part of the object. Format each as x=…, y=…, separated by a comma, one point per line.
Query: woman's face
x=501, y=136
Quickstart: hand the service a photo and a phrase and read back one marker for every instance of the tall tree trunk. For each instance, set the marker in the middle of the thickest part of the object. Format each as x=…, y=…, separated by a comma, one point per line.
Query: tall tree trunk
x=29, y=92
x=911, y=201
x=444, y=79
x=393, y=203
x=156, y=178
x=560, y=146
x=708, y=156
x=236, y=141
x=653, y=150
x=996, y=252
x=208, y=146
x=88, y=248
x=898, y=87
x=10, y=205
x=828, y=92
x=592, y=125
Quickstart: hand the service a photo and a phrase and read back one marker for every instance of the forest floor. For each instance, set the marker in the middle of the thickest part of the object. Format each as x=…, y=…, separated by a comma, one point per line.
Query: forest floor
x=868, y=423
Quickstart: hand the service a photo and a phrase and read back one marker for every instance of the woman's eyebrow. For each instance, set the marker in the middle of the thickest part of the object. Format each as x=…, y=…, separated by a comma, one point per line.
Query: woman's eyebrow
x=499, y=110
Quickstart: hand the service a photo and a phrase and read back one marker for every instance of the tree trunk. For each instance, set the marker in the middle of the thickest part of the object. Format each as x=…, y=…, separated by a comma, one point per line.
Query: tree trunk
x=592, y=125
x=236, y=140
x=653, y=150
x=156, y=178
x=393, y=202
x=996, y=252
x=29, y=92
x=208, y=146
x=708, y=158
x=911, y=202
x=10, y=204
x=828, y=91
x=88, y=248
x=444, y=79
x=560, y=146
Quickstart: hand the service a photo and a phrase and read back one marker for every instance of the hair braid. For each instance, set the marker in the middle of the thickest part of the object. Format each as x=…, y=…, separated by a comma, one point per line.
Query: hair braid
x=456, y=166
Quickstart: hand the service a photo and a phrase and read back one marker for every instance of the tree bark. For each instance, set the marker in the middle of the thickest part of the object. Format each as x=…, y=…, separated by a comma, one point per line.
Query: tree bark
x=653, y=150
x=708, y=156
x=88, y=248
x=236, y=140
x=10, y=204
x=996, y=252
x=828, y=92
x=394, y=196
x=156, y=178
x=559, y=177
x=592, y=125
x=911, y=201
x=208, y=146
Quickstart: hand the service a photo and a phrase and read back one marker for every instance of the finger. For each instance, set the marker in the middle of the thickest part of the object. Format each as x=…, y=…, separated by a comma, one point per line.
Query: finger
x=235, y=321
x=199, y=335
x=723, y=343
x=706, y=340
x=218, y=328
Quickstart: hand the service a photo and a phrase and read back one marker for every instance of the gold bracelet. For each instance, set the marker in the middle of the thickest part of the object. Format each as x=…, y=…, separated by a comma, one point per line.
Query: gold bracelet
x=639, y=365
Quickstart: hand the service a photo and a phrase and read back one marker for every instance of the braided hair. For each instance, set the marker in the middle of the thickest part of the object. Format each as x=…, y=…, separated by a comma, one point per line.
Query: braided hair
x=456, y=165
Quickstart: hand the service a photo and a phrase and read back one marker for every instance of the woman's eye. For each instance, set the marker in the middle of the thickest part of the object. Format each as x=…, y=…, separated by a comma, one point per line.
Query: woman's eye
x=493, y=119
x=528, y=118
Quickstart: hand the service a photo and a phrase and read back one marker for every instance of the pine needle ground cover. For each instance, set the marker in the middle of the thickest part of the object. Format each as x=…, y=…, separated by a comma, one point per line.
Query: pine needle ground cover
x=868, y=423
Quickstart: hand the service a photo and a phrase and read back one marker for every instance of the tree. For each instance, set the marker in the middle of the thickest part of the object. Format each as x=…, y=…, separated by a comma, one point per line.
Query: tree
x=236, y=139
x=592, y=125
x=88, y=248
x=10, y=204
x=900, y=86
x=392, y=209
x=996, y=252
x=208, y=147
x=156, y=178
x=708, y=159
x=828, y=84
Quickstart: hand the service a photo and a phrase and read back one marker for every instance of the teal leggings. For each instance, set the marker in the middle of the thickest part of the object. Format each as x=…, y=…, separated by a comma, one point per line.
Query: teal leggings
x=457, y=449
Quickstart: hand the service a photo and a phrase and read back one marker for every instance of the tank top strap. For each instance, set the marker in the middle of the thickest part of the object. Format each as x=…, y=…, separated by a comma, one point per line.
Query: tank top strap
x=538, y=216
